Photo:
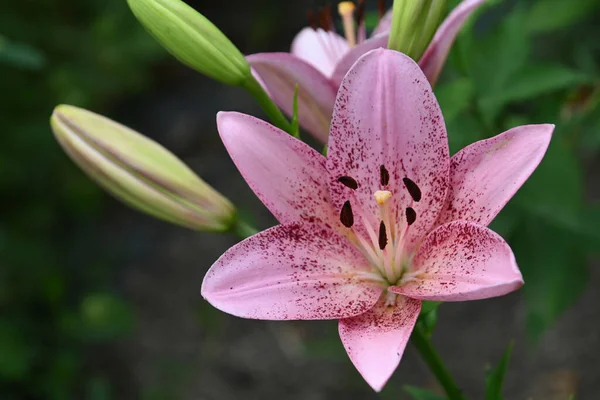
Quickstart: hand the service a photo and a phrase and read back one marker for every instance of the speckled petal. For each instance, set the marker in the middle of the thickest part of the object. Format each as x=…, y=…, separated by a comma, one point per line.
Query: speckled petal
x=346, y=62
x=485, y=175
x=435, y=56
x=462, y=261
x=321, y=49
x=375, y=340
x=386, y=114
x=286, y=174
x=280, y=72
x=296, y=271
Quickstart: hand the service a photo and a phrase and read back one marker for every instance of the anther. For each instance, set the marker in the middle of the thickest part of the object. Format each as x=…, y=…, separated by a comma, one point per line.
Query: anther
x=359, y=16
x=348, y=182
x=384, y=175
x=346, y=11
x=412, y=188
x=325, y=19
x=382, y=196
x=346, y=216
x=411, y=216
x=312, y=20
x=382, y=236
x=381, y=8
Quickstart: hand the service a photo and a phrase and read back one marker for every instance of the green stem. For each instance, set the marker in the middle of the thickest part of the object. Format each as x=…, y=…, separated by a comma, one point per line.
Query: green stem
x=435, y=363
x=265, y=102
x=243, y=229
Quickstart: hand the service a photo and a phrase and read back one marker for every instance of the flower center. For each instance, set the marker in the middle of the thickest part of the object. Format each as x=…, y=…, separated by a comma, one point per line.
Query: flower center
x=353, y=22
x=383, y=245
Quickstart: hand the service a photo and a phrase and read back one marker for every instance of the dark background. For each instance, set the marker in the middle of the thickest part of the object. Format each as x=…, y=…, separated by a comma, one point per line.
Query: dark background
x=100, y=302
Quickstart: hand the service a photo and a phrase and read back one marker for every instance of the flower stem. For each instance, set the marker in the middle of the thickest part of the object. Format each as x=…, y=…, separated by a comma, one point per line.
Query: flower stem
x=435, y=363
x=265, y=102
x=243, y=229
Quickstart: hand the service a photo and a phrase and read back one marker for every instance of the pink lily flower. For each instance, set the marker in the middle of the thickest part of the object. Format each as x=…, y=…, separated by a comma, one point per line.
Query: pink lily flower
x=385, y=221
x=320, y=59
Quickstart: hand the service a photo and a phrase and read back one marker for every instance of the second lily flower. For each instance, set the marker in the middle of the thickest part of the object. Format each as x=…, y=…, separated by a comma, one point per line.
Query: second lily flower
x=320, y=58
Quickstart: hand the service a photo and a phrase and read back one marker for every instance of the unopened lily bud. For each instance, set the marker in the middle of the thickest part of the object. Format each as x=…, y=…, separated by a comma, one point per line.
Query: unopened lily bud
x=139, y=171
x=414, y=23
x=192, y=39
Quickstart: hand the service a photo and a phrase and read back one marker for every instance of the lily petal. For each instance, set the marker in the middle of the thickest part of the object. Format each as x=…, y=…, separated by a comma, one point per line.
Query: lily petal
x=485, y=175
x=346, y=62
x=386, y=114
x=384, y=25
x=435, y=56
x=280, y=72
x=375, y=340
x=285, y=173
x=296, y=271
x=462, y=261
x=321, y=49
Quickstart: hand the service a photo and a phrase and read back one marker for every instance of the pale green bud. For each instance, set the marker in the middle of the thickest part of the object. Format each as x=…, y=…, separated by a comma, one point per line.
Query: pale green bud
x=414, y=23
x=192, y=39
x=139, y=171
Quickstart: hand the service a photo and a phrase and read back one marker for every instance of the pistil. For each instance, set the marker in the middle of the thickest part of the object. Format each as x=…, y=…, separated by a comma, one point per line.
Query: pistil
x=382, y=198
x=346, y=11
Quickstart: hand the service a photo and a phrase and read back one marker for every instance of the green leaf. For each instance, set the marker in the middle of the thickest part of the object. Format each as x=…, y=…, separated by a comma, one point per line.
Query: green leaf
x=98, y=388
x=295, y=129
x=463, y=131
x=555, y=234
x=553, y=263
x=422, y=394
x=428, y=306
x=20, y=55
x=549, y=15
x=105, y=317
x=533, y=81
x=507, y=221
x=371, y=20
x=587, y=230
x=494, y=379
x=493, y=59
x=555, y=190
x=429, y=322
x=455, y=97
x=17, y=355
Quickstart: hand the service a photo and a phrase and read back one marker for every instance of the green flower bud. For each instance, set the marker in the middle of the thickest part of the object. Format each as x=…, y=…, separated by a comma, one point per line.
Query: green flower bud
x=139, y=171
x=192, y=39
x=414, y=23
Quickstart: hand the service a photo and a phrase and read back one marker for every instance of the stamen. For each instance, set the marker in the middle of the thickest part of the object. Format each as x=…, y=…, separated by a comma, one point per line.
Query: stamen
x=382, y=196
x=328, y=15
x=346, y=11
x=381, y=8
x=411, y=216
x=383, y=240
x=348, y=182
x=346, y=216
x=312, y=20
x=324, y=19
x=359, y=16
x=413, y=189
x=384, y=175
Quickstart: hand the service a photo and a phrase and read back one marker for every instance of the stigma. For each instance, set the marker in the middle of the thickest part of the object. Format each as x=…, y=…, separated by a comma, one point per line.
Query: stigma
x=382, y=196
x=346, y=11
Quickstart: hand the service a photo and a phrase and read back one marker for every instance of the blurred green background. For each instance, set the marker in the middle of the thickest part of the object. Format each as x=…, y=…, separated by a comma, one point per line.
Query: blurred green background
x=83, y=279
